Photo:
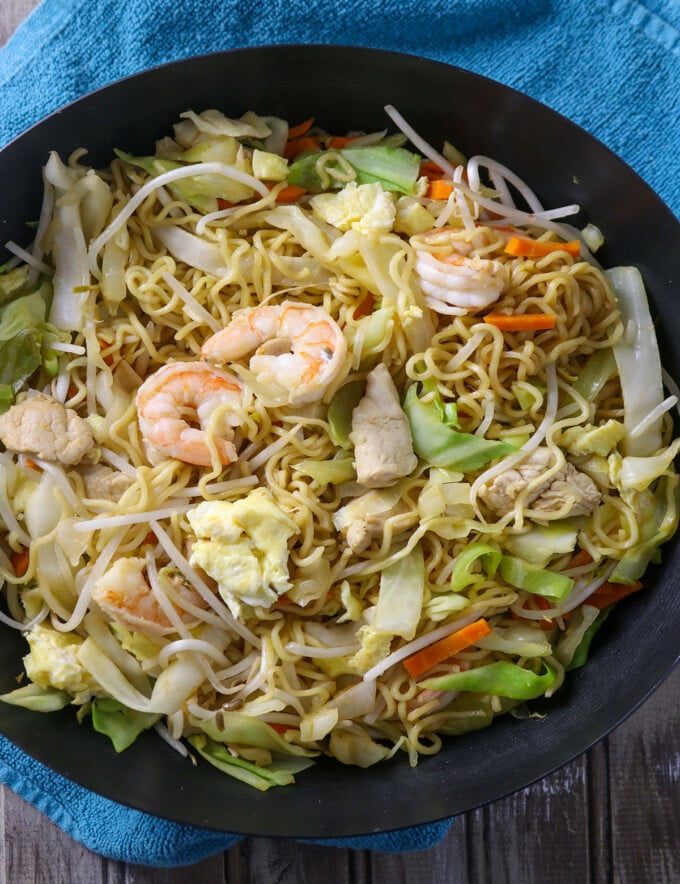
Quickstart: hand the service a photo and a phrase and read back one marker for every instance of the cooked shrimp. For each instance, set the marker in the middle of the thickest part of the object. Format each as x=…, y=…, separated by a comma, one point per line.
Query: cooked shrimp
x=168, y=397
x=457, y=285
x=298, y=350
x=124, y=594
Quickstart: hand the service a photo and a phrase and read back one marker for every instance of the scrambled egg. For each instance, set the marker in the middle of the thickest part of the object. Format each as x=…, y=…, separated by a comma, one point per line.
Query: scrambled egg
x=243, y=546
x=53, y=662
x=375, y=646
x=366, y=208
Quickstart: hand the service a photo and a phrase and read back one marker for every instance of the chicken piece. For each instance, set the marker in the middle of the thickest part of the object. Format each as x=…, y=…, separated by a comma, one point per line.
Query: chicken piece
x=103, y=483
x=361, y=532
x=363, y=519
x=44, y=427
x=570, y=483
x=549, y=495
x=502, y=492
x=383, y=450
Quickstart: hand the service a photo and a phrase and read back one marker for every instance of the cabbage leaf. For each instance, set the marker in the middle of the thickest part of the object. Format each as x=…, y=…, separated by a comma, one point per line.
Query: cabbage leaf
x=25, y=339
x=541, y=542
x=279, y=773
x=400, y=597
x=439, y=445
x=120, y=724
x=37, y=698
x=638, y=361
x=395, y=168
x=659, y=524
x=462, y=576
x=200, y=191
x=538, y=581
x=501, y=679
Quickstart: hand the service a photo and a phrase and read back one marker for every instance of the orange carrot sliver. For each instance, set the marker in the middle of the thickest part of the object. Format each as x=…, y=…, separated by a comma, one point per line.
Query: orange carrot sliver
x=20, y=561
x=224, y=204
x=298, y=145
x=300, y=129
x=521, y=321
x=290, y=193
x=609, y=593
x=532, y=248
x=337, y=142
x=279, y=728
x=430, y=170
x=446, y=647
x=582, y=557
x=364, y=307
x=439, y=189
x=109, y=359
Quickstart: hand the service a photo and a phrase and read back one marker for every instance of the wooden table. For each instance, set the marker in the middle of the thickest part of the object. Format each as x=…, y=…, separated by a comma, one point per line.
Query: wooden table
x=613, y=815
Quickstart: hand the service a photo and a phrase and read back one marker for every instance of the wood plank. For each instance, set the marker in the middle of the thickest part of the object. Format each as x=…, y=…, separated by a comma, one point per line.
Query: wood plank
x=208, y=871
x=599, y=813
x=543, y=827
x=644, y=776
x=446, y=861
x=13, y=12
x=275, y=861
x=38, y=852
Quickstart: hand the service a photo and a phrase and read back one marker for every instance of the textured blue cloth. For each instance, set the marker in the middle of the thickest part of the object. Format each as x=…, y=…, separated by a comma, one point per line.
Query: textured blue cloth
x=132, y=836
x=612, y=66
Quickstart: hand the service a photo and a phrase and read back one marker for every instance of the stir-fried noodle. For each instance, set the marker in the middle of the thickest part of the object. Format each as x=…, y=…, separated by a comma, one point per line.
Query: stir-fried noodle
x=318, y=444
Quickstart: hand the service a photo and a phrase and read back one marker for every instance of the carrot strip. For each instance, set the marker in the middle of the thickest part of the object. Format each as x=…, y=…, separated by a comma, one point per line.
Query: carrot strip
x=224, y=204
x=439, y=189
x=290, y=193
x=609, y=593
x=279, y=728
x=532, y=248
x=430, y=170
x=298, y=145
x=104, y=345
x=521, y=321
x=582, y=557
x=20, y=561
x=452, y=644
x=364, y=307
x=337, y=142
x=301, y=129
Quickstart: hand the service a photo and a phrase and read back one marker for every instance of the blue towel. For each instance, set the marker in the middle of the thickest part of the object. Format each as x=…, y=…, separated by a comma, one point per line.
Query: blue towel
x=612, y=66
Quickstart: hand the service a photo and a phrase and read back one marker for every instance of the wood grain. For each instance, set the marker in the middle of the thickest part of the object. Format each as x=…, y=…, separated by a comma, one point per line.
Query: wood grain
x=612, y=815
x=12, y=13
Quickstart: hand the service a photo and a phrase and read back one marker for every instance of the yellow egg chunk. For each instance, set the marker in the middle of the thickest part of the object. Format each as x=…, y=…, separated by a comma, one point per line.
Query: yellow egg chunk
x=243, y=546
x=53, y=662
x=366, y=208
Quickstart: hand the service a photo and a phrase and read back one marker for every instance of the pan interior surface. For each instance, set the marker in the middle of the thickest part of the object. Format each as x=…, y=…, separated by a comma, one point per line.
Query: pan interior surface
x=347, y=88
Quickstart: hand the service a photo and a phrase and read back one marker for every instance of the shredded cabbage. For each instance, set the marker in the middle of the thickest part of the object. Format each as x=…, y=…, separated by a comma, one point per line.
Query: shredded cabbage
x=400, y=598
x=637, y=357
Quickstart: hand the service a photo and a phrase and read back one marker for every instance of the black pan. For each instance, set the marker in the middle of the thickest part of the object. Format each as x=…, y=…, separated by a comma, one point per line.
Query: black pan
x=346, y=88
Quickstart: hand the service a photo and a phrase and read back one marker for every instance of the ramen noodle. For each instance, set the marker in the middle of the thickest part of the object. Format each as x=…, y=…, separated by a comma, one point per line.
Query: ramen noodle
x=317, y=443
